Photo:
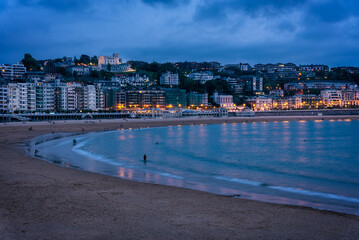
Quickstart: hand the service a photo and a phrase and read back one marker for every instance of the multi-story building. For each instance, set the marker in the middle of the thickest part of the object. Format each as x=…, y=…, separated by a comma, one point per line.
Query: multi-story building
x=175, y=97
x=110, y=97
x=105, y=60
x=45, y=97
x=89, y=98
x=260, y=103
x=121, y=100
x=169, y=79
x=332, y=97
x=197, y=99
x=275, y=67
x=202, y=77
x=283, y=103
x=136, y=80
x=12, y=72
x=350, y=98
x=224, y=101
x=4, y=98
x=314, y=67
x=79, y=70
x=152, y=98
x=253, y=84
x=68, y=97
x=236, y=84
x=312, y=101
x=34, y=76
x=21, y=97
x=319, y=85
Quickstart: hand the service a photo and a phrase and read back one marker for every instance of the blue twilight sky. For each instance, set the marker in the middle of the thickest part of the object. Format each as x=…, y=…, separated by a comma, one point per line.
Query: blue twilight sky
x=228, y=31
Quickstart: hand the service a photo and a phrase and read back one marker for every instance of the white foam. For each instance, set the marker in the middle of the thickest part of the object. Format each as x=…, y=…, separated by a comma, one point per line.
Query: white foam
x=291, y=190
x=77, y=149
x=238, y=180
x=316, y=194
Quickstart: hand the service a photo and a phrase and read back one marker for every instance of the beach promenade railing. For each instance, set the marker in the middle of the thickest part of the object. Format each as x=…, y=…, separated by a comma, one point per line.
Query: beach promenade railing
x=34, y=117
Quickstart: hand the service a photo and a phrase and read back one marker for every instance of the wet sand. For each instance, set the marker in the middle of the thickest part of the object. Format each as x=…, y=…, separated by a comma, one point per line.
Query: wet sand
x=39, y=200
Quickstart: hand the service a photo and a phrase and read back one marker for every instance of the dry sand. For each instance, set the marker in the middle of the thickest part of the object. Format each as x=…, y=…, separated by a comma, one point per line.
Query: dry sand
x=39, y=200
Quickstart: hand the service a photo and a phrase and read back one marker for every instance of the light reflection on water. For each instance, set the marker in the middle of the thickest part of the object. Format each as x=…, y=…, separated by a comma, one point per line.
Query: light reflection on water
x=318, y=156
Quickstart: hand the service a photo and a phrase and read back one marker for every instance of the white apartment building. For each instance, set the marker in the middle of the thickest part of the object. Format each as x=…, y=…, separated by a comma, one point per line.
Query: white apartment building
x=260, y=103
x=67, y=97
x=21, y=97
x=45, y=97
x=136, y=80
x=90, y=97
x=4, y=98
x=169, y=78
x=203, y=77
x=105, y=60
x=14, y=71
x=332, y=97
x=224, y=101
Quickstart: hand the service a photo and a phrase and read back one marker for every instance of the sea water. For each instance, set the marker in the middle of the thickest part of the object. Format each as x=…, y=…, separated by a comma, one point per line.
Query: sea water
x=306, y=163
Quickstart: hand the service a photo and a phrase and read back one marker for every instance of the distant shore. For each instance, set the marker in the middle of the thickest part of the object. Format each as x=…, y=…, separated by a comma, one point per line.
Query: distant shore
x=39, y=200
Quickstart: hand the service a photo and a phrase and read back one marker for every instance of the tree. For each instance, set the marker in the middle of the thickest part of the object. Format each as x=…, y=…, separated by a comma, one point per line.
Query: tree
x=95, y=74
x=85, y=59
x=94, y=60
x=30, y=63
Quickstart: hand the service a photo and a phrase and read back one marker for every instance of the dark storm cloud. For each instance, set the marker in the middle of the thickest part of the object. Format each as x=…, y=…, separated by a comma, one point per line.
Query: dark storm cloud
x=306, y=31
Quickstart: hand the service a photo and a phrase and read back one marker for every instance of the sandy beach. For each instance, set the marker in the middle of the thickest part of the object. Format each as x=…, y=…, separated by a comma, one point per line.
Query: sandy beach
x=39, y=200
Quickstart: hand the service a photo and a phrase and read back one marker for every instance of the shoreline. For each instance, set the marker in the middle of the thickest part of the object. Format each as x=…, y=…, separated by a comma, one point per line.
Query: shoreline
x=41, y=199
x=60, y=160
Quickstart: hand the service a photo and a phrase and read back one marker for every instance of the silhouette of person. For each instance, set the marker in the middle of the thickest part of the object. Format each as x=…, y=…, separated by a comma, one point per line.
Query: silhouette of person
x=144, y=158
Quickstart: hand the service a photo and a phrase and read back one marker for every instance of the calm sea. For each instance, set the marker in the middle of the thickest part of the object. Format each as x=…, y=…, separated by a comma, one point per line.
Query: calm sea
x=306, y=163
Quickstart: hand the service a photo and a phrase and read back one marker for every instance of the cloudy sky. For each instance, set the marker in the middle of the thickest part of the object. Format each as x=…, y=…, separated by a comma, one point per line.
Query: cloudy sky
x=228, y=31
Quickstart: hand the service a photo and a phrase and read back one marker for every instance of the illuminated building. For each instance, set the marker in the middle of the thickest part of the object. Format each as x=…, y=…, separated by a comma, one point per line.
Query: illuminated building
x=332, y=97
x=224, y=101
x=153, y=98
x=175, y=97
x=260, y=103
x=105, y=60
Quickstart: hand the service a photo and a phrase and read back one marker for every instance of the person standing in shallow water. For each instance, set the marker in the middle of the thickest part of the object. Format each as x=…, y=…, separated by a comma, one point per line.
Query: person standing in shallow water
x=145, y=158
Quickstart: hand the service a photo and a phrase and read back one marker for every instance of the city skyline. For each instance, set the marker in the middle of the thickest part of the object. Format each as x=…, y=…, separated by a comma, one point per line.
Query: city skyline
x=305, y=32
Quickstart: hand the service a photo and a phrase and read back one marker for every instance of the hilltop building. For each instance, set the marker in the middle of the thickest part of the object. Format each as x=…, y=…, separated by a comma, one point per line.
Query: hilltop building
x=105, y=60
